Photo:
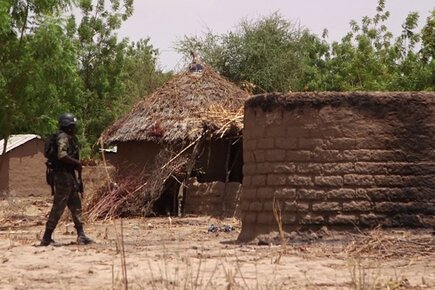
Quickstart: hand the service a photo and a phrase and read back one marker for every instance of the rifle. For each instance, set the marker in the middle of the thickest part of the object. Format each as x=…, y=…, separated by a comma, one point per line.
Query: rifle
x=80, y=184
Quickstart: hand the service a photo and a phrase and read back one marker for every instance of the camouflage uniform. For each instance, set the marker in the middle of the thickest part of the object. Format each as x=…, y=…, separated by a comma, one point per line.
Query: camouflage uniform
x=65, y=183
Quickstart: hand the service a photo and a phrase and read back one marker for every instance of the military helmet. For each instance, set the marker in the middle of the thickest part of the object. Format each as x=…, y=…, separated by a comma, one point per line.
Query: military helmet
x=67, y=119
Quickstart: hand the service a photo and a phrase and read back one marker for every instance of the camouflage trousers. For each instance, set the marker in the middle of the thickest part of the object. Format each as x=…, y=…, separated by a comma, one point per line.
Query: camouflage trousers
x=65, y=194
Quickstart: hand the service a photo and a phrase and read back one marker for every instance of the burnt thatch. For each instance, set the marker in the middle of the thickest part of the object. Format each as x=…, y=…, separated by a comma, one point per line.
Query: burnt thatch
x=375, y=101
x=183, y=109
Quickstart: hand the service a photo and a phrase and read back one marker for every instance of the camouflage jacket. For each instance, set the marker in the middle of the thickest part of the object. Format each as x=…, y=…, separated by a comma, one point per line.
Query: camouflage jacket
x=67, y=145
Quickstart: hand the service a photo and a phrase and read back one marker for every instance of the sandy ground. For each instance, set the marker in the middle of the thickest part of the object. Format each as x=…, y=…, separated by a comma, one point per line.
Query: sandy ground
x=180, y=253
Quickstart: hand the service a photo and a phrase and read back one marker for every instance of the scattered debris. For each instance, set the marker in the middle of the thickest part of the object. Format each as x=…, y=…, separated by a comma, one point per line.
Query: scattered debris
x=225, y=228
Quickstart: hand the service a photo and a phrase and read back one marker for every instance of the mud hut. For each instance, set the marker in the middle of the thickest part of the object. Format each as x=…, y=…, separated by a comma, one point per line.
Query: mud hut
x=197, y=115
x=22, y=166
x=340, y=160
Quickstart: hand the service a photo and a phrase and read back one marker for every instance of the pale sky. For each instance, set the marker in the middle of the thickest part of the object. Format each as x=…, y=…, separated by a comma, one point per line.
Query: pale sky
x=167, y=21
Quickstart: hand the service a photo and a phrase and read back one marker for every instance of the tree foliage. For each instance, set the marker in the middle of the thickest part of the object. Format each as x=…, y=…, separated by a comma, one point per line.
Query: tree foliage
x=370, y=58
x=269, y=53
x=51, y=63
x=37, y=64
x=276, y=55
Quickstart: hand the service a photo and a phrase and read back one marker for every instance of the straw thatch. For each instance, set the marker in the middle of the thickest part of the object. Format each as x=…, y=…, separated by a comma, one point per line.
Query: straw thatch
x=183, y=109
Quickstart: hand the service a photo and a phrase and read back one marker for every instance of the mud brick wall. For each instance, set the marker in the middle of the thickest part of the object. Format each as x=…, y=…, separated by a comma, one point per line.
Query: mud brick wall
x=338, y=160
x=212, y=198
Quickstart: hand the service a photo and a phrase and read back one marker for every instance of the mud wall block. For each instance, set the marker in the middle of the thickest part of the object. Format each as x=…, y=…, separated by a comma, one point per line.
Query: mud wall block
x=338, y=160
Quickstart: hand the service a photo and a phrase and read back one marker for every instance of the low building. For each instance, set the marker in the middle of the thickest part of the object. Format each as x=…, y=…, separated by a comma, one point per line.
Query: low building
x=22, y=166
x=340, y=160
x=197, y=110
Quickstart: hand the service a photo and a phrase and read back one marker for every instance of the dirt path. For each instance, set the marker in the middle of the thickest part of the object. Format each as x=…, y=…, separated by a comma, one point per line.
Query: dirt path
x=180, y=253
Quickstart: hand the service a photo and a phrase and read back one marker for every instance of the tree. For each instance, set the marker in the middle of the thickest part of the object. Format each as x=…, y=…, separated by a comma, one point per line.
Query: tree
x=269, y=53
x=361, y=61
x=114, y=72
x=428, y=50
x=370, y=58
x=140, y=76
x=52, y=64
x=35, y=53
x=101, y=56
x=276, y=55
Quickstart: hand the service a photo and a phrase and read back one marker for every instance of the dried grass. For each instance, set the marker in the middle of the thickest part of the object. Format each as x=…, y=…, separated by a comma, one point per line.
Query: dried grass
x=134, y=195
x=380, y=244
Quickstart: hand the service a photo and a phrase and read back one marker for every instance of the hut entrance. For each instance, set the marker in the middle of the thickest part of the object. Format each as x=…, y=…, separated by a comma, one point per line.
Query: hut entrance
x=167, y=203
x=221, y=160
x=213, y=165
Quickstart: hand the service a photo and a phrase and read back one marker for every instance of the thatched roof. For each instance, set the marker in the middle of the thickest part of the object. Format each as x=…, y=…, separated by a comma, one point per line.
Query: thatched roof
x=182, y=109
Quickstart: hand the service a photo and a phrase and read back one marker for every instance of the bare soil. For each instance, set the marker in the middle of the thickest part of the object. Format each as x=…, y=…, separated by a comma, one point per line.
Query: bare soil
x=180, y=253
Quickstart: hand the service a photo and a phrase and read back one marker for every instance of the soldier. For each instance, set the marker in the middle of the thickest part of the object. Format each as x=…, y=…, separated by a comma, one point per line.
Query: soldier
x=65, y=184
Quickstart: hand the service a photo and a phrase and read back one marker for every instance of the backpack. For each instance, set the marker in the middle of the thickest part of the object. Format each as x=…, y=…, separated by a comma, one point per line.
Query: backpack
x=50, y=149
x=50, y=152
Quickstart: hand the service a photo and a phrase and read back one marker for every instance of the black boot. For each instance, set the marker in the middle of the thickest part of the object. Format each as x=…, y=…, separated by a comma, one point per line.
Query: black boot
x=47, y=240
x=82, y=239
